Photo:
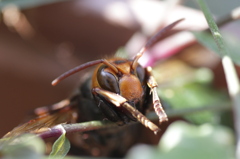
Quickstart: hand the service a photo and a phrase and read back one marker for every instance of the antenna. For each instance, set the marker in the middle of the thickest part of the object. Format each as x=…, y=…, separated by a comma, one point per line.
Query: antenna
x=160, y=34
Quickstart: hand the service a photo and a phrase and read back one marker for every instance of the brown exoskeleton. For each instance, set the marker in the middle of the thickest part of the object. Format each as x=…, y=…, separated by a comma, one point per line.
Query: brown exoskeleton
x=119, y=90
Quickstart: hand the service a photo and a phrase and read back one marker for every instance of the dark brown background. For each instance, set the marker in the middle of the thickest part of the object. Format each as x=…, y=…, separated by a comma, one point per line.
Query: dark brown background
x=61, y=40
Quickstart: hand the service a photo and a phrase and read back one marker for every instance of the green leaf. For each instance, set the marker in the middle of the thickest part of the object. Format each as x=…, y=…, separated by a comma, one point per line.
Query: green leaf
x=194, y=95
x=206, y=39
x=184, y=87
x=189, y=141
x=60, y=147
x=222, y=49
x=27, y=146
x=186, y=141
x=233, y=45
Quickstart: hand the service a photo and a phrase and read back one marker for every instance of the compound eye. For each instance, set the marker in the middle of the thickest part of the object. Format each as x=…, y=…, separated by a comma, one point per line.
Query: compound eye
x=140, y=73
x=107, y=80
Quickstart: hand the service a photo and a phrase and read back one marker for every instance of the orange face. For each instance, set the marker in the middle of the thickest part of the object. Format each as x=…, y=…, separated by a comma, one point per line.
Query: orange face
x=126, y=82
x=131, y=88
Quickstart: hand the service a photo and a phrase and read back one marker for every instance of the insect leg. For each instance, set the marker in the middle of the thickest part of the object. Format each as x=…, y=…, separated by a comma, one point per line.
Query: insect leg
x=152, y=84
x=120, y=101
x=46, y=110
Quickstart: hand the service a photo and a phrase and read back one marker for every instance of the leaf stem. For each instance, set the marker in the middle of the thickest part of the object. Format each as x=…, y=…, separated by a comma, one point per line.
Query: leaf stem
x=229, y=70
x=95, y=125
x=76, y=127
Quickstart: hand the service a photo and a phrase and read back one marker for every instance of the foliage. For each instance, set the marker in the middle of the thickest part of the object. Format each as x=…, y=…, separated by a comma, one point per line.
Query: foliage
x=60, y=147
x=27, y=146
x=183, y=140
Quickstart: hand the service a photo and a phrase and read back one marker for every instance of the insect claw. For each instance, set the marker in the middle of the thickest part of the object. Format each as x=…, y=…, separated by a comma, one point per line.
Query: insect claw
x=54, y=82
x=156, y=131
x=163, y=118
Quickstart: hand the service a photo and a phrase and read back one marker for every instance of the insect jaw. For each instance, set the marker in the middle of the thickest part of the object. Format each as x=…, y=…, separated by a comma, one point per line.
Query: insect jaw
x=120, y=101
x=115, y=99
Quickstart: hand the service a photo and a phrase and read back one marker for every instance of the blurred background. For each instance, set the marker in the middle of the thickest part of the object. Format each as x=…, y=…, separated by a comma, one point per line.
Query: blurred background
x=39, y=40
